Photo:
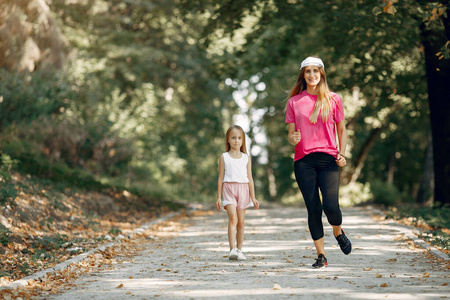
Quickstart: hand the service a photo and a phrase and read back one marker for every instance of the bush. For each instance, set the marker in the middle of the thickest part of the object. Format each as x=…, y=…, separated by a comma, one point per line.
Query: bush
x=385, y=193
x=5, y=235
x=354, y=193
x=26, y=96
x=8, y=191
x=51, y=141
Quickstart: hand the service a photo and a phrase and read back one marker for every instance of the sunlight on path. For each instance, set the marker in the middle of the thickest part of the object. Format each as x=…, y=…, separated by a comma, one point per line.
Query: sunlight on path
x=193, y=263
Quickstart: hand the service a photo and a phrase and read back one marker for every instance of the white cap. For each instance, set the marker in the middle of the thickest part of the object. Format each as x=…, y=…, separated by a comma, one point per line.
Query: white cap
x=312, y=61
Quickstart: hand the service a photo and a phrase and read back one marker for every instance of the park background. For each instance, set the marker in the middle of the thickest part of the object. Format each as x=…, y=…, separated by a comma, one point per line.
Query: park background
x=113, y=112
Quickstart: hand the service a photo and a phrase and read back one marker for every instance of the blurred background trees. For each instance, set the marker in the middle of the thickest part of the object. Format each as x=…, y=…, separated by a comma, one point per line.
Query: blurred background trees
x=140, y=93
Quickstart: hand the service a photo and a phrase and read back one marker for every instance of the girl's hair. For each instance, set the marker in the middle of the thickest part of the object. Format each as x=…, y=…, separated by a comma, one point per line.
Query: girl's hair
x=227, y=136
x=324, y=97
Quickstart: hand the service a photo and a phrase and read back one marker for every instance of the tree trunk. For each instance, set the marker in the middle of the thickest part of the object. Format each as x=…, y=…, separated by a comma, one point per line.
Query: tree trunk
x=272, y=184
x=438, y=76
x=362, y=155
x=391, y=169
x=426, y=182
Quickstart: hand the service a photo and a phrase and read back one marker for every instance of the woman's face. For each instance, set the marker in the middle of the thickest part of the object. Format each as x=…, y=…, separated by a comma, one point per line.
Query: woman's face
x=312, y=76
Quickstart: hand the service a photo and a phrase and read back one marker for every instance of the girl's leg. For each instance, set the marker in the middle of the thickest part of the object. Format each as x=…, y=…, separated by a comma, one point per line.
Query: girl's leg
x=240, y=228
x=232, y=223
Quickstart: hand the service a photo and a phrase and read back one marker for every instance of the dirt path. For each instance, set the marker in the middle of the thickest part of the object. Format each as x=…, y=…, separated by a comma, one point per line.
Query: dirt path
x=192, y=263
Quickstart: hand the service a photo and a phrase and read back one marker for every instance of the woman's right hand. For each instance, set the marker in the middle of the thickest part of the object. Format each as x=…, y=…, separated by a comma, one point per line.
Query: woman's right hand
x=296, y=136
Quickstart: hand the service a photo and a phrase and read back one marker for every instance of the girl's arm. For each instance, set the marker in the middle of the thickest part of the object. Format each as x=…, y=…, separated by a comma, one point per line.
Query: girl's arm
x=220, y=182
x=342, y=137
x=294, y=136
x=251, y=184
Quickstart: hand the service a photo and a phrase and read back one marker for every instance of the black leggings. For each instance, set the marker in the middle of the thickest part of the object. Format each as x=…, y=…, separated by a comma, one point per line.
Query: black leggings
x=313, y=172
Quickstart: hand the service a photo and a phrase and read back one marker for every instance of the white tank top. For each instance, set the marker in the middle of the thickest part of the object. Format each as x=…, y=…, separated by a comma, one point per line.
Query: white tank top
x=235, y=168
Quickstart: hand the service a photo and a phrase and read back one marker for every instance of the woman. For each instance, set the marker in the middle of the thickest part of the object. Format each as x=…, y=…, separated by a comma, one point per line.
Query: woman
x=314, y=115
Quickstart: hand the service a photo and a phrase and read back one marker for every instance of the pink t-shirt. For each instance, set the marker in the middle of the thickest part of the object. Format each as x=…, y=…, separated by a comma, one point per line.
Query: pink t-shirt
x=319, y=137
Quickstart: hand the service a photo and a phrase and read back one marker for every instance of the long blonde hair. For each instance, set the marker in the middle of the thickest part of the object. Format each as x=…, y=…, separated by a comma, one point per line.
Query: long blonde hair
x=227, y=136
x=323, y=102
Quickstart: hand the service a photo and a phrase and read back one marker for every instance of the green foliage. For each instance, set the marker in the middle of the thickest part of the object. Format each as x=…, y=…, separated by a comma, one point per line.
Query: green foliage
x=438, y=238
x=5, y=235
x=35, y=163
x=49, y=243
x=25, y=268
x=355, y=194
x=26, y=96
x=115, y=231
x=385, y=193
x=436, y=217
x=8, y=192
x=142, y=101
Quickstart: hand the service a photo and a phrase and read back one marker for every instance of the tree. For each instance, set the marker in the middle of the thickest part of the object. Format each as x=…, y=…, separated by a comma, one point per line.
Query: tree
x=435, y=32
x=30, y=38
x=436, y=40
x=142, y=86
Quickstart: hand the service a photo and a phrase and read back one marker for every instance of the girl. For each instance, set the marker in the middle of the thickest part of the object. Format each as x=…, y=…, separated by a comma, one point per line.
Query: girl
x=314, y=115
x=236, y=185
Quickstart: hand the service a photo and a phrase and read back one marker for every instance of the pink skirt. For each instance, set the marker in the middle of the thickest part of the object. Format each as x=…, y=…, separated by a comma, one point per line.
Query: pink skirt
x=236, y=194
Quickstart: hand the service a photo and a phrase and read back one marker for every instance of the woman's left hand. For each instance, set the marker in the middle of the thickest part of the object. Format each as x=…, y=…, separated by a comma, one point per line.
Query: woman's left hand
x=341, y=161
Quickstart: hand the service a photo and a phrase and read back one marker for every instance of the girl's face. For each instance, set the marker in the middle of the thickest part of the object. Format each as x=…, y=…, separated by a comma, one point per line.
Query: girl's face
x=235, y=139
x=312, y=76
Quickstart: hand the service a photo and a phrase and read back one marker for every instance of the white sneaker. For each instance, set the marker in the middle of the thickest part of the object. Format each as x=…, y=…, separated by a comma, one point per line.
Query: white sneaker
x=240, y=255
x=233, y=254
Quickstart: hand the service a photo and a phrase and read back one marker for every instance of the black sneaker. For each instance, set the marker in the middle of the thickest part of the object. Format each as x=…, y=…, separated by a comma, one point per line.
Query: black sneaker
x=321, y=262
x=344, y=243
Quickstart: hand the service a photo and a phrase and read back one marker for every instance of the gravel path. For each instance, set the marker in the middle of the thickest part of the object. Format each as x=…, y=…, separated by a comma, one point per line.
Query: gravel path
x=190, y=262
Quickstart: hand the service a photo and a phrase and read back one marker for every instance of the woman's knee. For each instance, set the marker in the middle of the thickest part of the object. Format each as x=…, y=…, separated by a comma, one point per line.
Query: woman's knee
x=314, y=211
x=334, y=215
x=331, y=210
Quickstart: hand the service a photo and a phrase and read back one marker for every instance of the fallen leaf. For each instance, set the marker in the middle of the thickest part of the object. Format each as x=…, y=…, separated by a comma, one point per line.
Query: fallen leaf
x=367, y=269
x=383, y=285
x=120, y=286
x=378, y=275
x=276, y=287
